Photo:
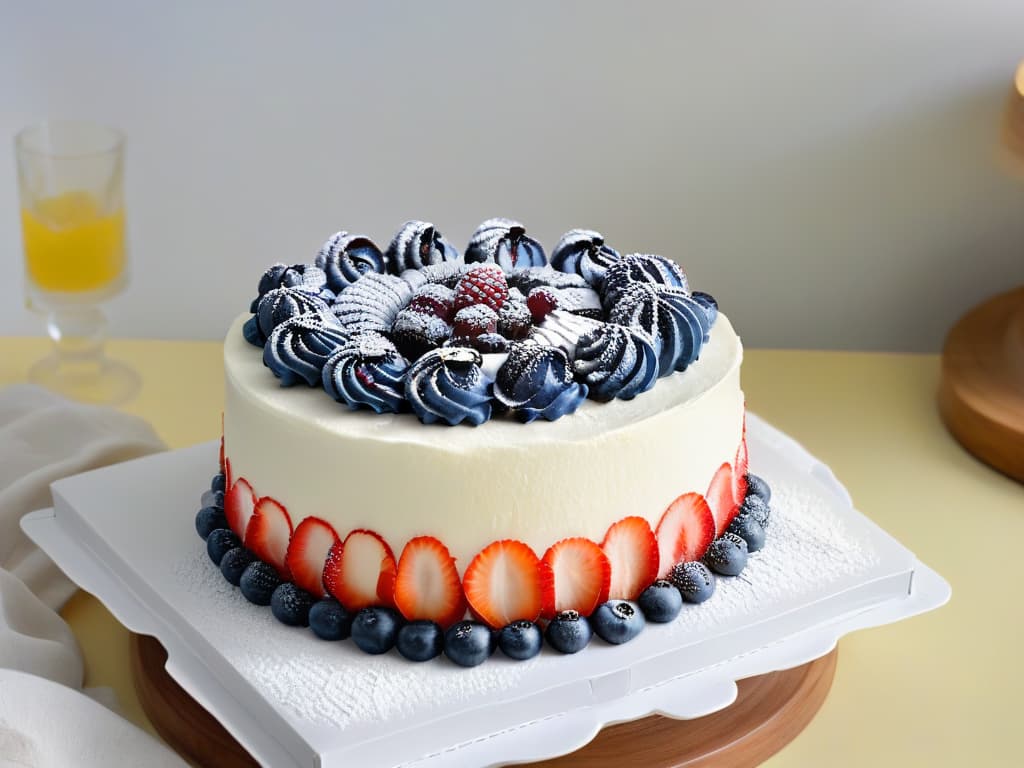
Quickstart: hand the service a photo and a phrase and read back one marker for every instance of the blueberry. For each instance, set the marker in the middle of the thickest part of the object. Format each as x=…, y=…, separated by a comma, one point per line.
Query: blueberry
x=747, y=528
x=212, y=499
x=694, y=581
x=756, y=486
x=258, y=582
x=568, y=632
x=617, y=621
x=218, y=482
x=520, y=640
x=375, y=630
x=660, y=602
x=290, y=605
x=757, y=508
x=727, y=555
x=420, y=640
x=329, y=620
x=469, y=643
x=208, y=520
x=219, y=542
x=234, y=562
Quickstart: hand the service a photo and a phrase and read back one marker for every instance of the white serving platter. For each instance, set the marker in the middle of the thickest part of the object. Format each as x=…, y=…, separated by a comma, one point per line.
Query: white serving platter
x=125, y=533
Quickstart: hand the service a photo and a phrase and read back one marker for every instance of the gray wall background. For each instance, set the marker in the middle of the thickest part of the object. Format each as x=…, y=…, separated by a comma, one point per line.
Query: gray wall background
x=830, y=171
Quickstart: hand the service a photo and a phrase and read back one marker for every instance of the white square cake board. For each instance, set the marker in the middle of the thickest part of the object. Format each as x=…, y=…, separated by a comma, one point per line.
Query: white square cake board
x=126, y=534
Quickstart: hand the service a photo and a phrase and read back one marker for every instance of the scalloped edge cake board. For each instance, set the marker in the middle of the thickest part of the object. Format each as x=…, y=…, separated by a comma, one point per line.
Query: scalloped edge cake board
x=125, y=533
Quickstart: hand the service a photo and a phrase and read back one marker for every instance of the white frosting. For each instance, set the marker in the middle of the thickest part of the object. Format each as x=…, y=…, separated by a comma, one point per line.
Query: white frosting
x=469, y=486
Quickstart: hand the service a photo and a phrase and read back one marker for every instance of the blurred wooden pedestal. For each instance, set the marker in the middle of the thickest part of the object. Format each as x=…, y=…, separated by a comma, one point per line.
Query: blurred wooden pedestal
x=981, y=394
x=768, y=713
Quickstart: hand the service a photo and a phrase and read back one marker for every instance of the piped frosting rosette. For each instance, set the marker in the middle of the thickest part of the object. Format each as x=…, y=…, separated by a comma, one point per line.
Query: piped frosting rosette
x=676, y=323
x=367, y=372
x=416, y=245
x=504, y=242
x=345, y=258
x=276, y=306
x=536, y=381
x=615, y=362
x=641, y=268
x=583, y=252
x=448, y=385
x=299, y=347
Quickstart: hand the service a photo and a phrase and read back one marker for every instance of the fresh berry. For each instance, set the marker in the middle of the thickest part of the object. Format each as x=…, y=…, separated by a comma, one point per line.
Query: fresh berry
x=739, y=467
x=724, y=506
x=291, y=605
x=568, y=632
x=223, y=462
x=375, y=629
x=474, y=321
x=685, y=532
x=329, y=620
x=307, y=554
x=434, y=299
x=756, y=486
x=469, y=643
x=632, y=551
x=727, y=555
x=520, y=640
x=268, y=533
x=212, y=498
x=660, y=602
x=485, y=284
x=416, y=334
x=258, y=582
x=217, y=484
x=747, y=528
x=758, y=508
x=239, y=504
x=427, y=583
x=229, y=479
x=502, y=584
x=515, y=320
x=490, y=343
x=420, y=640
x=574, y=576
x=618, y=621
x=541, y=303
x=693, y=580
x=219, y=542
x=350, y=573
x=234, y=563
x=208, y=520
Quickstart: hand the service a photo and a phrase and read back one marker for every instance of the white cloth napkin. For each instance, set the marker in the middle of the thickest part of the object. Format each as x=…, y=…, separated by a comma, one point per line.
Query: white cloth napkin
x=44, y=724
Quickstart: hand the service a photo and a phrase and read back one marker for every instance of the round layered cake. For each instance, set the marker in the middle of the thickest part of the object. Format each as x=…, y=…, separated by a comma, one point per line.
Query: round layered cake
x=425, y=448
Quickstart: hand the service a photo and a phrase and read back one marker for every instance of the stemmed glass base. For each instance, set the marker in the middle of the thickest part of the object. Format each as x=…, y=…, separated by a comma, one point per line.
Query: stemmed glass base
x=78, y=367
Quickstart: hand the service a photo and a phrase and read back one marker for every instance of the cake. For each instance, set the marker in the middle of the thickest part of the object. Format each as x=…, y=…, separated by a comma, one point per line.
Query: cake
x=451, y=452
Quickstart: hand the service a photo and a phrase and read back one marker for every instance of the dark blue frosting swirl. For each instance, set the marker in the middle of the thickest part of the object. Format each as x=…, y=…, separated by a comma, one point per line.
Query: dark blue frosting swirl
x=372, y=302
x=280, y=304
x=416, y=245
x=583, y=252
x=345, y=258
x=641, y=268
x=676, y=323
x=615, y=361
x=367, y=372
x=299, y=347
x=448, y=385
x=504, y=242
x=305, y=277
x=536, y=381
x=710, y=305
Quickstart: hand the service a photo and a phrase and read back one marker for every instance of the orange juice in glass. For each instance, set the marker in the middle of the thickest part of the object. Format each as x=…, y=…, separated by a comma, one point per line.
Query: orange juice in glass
x=70, y=179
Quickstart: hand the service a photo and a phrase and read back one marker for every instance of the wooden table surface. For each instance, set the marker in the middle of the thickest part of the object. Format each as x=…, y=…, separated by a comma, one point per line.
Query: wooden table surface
x=941, y=689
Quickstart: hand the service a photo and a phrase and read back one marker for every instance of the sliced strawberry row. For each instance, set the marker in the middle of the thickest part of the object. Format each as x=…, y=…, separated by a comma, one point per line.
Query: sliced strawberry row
x=239, y=503
x=427, y=584
x=632, y=552
x=360, y=571
x=307, y=554
x=268, y=532
x=575, y=575
x=685, y=531
x=502, y=583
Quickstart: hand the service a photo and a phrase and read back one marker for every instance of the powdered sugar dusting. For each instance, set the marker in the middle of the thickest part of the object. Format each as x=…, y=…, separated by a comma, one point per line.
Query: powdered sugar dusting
x=336, y=685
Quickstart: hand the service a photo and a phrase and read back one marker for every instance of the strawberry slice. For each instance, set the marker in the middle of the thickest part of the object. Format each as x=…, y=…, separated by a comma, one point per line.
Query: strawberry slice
x=739, y=473
x=268, y=533
x=685, y=532
x=307, y=554
x=502, y=584
x=360, y=572
x=427, y=584
x=720, y=498
x=223, y=466
x=239, y=503
x=574, y=576
x=632, y=551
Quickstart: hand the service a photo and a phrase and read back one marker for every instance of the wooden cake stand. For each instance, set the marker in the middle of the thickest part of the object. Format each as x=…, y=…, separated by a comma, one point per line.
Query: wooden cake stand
x=768, y=713
x=981, y=394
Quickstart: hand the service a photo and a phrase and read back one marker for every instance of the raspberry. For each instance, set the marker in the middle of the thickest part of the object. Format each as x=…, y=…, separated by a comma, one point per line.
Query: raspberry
x=475, y=320
x=415, y=334
x=434, y=299
x=485, y=284
x=541, y=301
x=488, y=343
x=514, y=320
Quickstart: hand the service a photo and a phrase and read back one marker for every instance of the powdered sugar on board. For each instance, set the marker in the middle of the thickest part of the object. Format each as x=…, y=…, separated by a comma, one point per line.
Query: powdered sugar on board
x=336, y=685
